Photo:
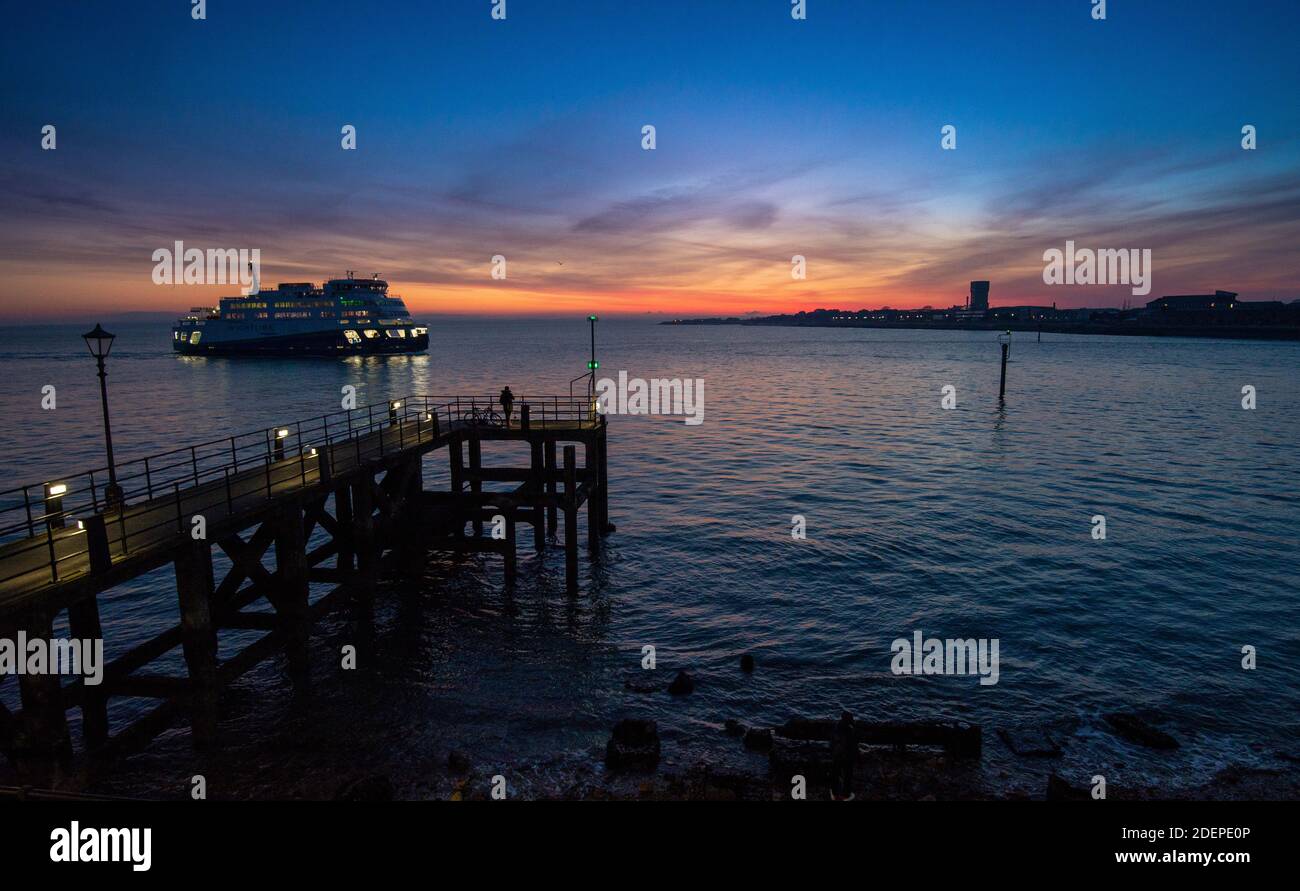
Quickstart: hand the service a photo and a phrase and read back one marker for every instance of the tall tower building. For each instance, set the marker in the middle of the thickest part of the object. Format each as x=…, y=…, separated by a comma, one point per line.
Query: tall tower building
x=979, y=295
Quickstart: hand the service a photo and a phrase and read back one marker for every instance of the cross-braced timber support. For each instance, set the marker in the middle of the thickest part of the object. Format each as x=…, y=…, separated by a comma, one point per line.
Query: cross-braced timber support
x=331, y=503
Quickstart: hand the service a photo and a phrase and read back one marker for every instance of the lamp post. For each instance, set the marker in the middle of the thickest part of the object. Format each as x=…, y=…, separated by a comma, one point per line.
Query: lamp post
x=593, y=364
x=100, y=344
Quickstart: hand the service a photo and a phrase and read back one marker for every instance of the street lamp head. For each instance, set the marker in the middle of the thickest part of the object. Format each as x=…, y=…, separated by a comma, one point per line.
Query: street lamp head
x=99, y=341
x=592, y=319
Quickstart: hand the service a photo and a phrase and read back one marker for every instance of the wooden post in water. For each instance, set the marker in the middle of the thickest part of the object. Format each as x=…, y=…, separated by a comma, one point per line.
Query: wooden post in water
x=343, y=517
x=475, y=468
x=456, y=457
x=194, y=589
x=1005, y=341
x=409, y=525
x=84, y=624
x=552, y=487
x=536, y=469
x=510, y=552
x=602, y=500
x=363, y=531
x=290, y=600
x=570, y=520
x=44, y=747
x=592, y=472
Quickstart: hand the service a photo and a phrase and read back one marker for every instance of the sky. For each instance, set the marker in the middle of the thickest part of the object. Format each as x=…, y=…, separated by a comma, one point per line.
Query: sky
x=523, y=138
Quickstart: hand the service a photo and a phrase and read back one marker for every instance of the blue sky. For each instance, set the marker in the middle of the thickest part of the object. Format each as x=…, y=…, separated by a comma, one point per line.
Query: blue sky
x=775, y=137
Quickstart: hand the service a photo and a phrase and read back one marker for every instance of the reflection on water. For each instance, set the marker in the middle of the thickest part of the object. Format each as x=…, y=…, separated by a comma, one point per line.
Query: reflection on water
x=973, y=522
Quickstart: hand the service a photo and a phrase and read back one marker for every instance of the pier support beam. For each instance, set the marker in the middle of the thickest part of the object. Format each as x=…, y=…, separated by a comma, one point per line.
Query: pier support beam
x=570, y=520
x=592, y=472
x=291, y=594
x=84, y=624
x=537, y=469
x=43, y=749
x=511, y=547
x=194, y=589
x=343, y=517
x=456, y=458
x=552, y=487
x=476, y=465
x=602, y=464
x=363, y=530
x=409, y=529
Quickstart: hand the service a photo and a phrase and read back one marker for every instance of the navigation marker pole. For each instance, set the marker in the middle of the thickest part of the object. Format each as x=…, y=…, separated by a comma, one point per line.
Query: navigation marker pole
x=1005, y=341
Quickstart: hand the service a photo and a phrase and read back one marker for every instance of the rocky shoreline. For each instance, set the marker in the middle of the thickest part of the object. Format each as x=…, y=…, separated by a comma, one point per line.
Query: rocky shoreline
x=797, y=753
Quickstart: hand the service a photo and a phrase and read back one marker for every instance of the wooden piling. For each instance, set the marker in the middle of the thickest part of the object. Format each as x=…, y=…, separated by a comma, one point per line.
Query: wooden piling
x=510, y=553
x=592, y=473
x=84, y=624
x=1004, y=340
x=368, y=517
x=1002, y=384
x=343, y=518
x=475, y=466
x=194, y=589
x=363, y=528
x=570, y=520
x=43, y=748
x=537, y=485
x=291, y=595
x=601, y=502
x=97, y=550
x=456, y=461
x=552, y=487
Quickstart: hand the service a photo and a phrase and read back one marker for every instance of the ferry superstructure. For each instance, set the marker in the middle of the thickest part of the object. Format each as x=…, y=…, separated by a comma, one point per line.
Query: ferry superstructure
x=345, y=316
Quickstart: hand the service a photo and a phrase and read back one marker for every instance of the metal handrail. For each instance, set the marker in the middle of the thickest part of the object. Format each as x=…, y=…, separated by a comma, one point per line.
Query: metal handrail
x=45, y=514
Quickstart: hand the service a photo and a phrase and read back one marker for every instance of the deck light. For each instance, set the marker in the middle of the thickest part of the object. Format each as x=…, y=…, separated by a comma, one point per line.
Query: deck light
x=54, y=504
x=277, y=450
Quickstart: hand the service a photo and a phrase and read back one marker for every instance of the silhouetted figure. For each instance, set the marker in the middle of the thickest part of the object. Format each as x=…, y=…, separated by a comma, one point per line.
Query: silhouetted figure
x=844, y=752
x=507, y=403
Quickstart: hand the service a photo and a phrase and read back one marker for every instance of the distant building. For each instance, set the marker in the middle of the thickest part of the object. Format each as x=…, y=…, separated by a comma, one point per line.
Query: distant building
x=979, y=296
x=1023, y=313
x=1193, y=302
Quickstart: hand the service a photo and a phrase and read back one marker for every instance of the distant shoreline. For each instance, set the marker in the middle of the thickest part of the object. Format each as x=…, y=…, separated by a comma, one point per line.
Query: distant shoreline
x=1125, y=329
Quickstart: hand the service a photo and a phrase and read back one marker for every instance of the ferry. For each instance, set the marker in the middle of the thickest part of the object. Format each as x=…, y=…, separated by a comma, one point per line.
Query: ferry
x=344, y=317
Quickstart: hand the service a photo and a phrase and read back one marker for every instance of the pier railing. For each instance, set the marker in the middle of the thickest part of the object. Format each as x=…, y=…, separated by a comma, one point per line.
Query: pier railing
x=44, y=526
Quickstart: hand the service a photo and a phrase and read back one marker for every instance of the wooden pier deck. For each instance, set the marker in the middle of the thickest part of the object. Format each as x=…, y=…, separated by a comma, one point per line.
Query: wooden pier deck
x=357, y=475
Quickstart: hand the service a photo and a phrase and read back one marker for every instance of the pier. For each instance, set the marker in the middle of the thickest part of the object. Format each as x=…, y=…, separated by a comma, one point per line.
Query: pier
x=330, y=499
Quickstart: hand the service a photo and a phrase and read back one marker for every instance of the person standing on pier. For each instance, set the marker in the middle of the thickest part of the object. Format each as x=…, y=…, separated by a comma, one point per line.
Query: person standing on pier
x=844, y=752
x=507, y=403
